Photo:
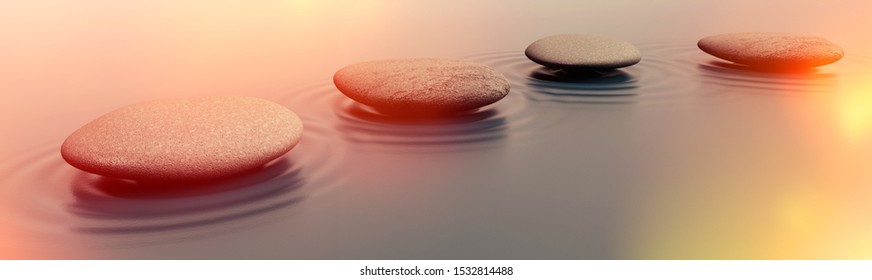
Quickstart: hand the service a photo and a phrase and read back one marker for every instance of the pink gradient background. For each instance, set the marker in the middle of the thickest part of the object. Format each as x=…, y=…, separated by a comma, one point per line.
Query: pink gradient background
x=751, y=177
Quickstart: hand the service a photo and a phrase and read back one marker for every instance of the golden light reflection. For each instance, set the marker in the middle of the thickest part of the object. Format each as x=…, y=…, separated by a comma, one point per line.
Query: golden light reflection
x=801, y=221
x=804, y=218
x=855, y=112
x=803, y=211
x=856, y=244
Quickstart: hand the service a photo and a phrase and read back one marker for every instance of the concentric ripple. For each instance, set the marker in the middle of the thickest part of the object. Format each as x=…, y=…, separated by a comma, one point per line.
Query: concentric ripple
x=669, y=73
x=737, y=79
x=56, y=204
x=508, y=120
x=658, y=79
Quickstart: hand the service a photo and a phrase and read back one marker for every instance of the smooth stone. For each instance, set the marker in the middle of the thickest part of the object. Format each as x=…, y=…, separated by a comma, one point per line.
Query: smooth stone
x=772, y=50
x=422, y=86
x=582, y=52
x=189, y=139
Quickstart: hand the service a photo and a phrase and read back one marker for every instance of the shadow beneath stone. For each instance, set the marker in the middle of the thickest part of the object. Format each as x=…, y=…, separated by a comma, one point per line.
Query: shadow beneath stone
x=150, y=207
x=129, y=189
x=611, y=77
x=600, y=87
x=770, y=81
x=363, y=124
x=721, y=65
x=371, y=114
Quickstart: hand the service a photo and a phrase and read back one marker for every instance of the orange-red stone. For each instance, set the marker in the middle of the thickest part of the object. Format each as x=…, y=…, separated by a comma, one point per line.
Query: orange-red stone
x=772, y=50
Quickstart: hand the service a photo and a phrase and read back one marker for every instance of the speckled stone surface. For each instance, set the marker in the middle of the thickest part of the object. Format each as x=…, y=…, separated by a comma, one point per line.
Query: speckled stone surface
x=184, y=139
x=421, y=86
x=774, y=50
x=580, y=52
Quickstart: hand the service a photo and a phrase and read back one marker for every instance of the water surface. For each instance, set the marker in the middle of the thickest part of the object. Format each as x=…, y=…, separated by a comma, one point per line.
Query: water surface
x=680, y=156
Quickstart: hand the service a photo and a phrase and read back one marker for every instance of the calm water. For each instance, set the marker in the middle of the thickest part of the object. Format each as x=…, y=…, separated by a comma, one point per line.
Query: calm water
x=679, y=156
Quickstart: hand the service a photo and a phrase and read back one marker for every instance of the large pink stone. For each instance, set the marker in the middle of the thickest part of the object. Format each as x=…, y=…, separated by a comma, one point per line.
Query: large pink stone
x=184, y=139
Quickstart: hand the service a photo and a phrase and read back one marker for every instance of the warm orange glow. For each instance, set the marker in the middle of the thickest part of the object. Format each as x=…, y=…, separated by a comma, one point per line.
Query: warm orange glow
x=855, y=112
x=803, y=218
x=856, y=243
